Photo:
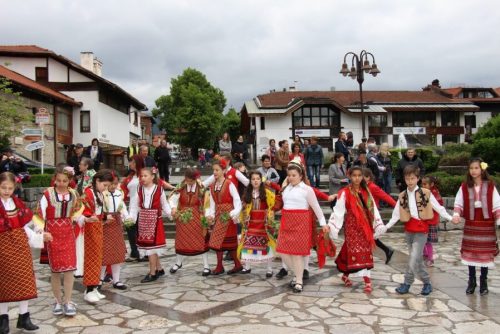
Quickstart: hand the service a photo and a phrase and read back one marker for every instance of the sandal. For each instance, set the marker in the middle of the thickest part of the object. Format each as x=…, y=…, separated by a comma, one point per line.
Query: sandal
x=297, y=288
x=174, y=268
x=347, y=281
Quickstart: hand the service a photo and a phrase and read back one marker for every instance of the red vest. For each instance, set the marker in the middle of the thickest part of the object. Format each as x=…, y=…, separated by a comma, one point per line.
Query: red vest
x=155, y=203
x=486, y=201
x=23, y=216
x=231, y=176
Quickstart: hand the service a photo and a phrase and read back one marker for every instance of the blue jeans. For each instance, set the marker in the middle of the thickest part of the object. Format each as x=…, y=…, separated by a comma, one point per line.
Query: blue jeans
x=416, y=243
x=387, y=181
x=313, y=174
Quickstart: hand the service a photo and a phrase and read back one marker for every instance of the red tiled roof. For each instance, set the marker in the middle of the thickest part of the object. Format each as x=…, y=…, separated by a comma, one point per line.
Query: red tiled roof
x=453, y=91
x=34, y=50
x=347, y=98
x=27, y=83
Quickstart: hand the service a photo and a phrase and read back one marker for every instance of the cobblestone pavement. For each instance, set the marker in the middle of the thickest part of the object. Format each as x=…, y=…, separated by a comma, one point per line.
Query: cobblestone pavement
x=188, y=302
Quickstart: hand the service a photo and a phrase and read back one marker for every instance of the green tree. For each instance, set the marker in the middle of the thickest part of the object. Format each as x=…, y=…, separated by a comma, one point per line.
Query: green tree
x=192, y=112
x=486, y=143
x=231, y=124
x=12, y=112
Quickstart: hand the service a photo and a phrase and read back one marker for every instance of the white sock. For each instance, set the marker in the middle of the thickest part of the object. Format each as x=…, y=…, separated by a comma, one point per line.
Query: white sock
x=4, y=308
x=23, y=307
x=179, y=259
x=270, y=265
x=115, y=271
x=204, y=256
x=306, y=262
x=247, y=265
x=103, y=272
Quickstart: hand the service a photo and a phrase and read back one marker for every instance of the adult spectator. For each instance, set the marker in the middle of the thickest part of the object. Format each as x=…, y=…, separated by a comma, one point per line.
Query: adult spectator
x=76, y=158
x=144, y=142
x=143, y=159
x=239, y=150
x=297, y=140
x=271, y=151
x=94, y=152
x=306, y=145
x=297, y=153
x=341, y=146
x=225, y=145
x=282, y=160
x=337, y=174
x=11, y=163
x=133, y=149
x=209, y=154
x=384, y=156
x=163, y=160
x=267, y=171
x=363, y=162
x=350, y=140
x=409, y=158
x=362, y=145
x=314, y=161
x=372, y=155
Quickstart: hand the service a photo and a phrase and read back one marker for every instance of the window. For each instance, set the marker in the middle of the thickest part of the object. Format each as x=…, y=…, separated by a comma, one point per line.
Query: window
x=63, y=121
x=411, y=118
x=41, y=74
x=451, y=139
x=377, y=120
x=262, y=123
x=316, y=117
x=136, y=118
x=470, y=121
x=85, y=121
x=450, y=118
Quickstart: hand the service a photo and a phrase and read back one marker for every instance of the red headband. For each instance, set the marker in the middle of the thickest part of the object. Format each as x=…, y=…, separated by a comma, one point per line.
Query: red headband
x=223, y=163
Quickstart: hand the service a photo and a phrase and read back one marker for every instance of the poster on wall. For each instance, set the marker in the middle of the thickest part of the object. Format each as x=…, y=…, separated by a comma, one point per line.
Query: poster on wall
x=312, y=132
x=408, y=130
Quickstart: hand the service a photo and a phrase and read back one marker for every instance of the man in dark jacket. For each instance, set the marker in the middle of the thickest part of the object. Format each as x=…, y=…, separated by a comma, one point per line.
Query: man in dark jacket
x=314, y=161
x=75, y=159
x=162, y=158
x=341, y=147
x=409, y=158
x=95, y=153
x=363, y=162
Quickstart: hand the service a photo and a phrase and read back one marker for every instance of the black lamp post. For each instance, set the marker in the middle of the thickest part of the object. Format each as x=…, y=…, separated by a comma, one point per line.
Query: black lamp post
x=359, y=66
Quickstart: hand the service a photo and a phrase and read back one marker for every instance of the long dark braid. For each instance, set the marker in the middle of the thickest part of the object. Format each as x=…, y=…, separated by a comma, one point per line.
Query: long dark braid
x=103, y=175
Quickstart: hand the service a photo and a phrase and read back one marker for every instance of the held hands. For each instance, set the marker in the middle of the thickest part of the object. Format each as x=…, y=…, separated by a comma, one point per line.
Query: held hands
x=174, y=212
x=379, y=230
x=47, y=237
x=334, y=233
x=91, y=219
x=326, y=228
x=331, y=198
x=455, y=220
x=110, y=219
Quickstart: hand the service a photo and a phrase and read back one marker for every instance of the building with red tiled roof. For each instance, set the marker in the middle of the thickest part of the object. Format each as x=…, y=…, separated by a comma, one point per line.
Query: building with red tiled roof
x=424, y=117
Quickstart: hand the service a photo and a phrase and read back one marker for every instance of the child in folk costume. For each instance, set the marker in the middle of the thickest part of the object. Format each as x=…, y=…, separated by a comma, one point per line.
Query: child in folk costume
x=129, y=186
x=257, y=243
x=58, y=209
x=17, y=281
x=296, y=232
x=146, y=209
x=415, y=208
x=187, y=202
x=356, y=211
x=430, y=182
x=93, y=217
x=223, y=213
x=114, y=249
x=478, y=202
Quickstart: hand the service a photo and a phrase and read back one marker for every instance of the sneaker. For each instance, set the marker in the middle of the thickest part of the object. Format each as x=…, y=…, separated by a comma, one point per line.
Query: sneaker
x=70, y=309
x=58, y=309
x=91, y=297
x=282, y=273
x=427, y=289
x=403, y=289
x=100, y=295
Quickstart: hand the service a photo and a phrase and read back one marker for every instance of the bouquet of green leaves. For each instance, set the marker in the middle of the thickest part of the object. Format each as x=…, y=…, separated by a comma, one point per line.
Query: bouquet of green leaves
x=185, y=216
x=128, y=223
x=204, y=222
x=225, y=217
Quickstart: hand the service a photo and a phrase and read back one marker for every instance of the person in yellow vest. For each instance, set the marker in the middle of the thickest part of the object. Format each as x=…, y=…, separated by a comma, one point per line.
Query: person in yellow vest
x=415, y=208
x=133, y=149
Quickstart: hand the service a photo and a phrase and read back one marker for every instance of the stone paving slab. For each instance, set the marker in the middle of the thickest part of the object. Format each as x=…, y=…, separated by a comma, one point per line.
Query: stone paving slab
x=186, y=302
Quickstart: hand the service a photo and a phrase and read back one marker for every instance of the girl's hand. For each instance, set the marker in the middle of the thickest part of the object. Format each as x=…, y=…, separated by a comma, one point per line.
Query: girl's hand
x=210, y=220
x=455, y=220
x=91, y=219
x=110, y=218
x=47, y=237
x=331, y=198
x=326, y=229
x=173, y=212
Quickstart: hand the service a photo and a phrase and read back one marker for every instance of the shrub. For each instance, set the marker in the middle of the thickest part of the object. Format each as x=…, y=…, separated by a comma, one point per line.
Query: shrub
x=427, y=155
x=448, y=186
x=455, y=159
x=488, y=149
x=39, y=180
x=457, y=148
x=489, y=130
x=38, y=170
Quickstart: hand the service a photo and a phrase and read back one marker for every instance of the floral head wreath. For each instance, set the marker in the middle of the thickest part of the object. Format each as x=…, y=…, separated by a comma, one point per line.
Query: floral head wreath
x=223, y=163
x=68, y=170
x=483, y=165
x=154, y=170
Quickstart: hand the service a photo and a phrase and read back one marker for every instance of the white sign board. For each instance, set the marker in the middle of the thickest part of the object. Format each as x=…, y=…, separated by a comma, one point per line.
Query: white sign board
x=313, y=132
x=35, y=146
x=32, y=132
x=42, y=116
x=408, y=130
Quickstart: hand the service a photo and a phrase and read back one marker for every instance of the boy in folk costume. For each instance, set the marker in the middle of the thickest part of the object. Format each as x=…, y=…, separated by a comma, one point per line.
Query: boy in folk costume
x=257, y=243
x=356, y=211
x=415, y=208
x=114, y=249
x=478, y=202
x=146, y=209
x=187, y=202
x=93, y=216
x=58, y=209
x=17, y=281
x=295, y=232
x=223, y=213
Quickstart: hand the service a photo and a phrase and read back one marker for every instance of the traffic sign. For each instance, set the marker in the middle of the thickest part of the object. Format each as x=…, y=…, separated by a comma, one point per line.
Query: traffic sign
x=32, y=132
x=35, y=146
x=42, y=116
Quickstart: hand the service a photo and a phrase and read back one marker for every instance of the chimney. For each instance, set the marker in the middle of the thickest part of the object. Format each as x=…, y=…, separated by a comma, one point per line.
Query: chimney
x=97, y=68
x=91, y=63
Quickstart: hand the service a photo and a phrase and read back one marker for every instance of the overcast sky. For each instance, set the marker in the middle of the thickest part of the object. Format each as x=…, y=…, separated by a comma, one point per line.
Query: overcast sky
x=247, y=48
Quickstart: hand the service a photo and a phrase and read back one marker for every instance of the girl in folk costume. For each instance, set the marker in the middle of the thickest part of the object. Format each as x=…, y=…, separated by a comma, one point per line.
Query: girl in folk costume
x=478, y=202
x=146, y=209
x=129, y=186
x=356, y=211
x=93, y=217
x=295, y=232
x=17, y=281
x=223, y=213
x=257, y=242
x=58, y=208
x=430, y=182
x=187, y=209
x=114, y=249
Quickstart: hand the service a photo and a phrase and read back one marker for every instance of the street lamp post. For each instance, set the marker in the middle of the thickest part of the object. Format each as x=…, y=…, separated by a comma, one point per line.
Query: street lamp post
x=359, y=66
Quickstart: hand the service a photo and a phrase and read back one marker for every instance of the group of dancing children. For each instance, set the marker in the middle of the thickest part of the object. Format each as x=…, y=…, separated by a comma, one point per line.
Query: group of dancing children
x=208, y=216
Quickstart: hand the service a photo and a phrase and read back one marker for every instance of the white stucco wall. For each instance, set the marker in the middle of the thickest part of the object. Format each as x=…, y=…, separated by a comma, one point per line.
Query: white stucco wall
x=24, y=66
x=277, y=128
x=57, y=72
x=352, y=123
x=77, y=77
x=481, y=118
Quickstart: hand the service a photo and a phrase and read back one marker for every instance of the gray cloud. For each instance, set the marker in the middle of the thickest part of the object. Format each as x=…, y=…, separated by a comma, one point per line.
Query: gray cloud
x=248, y=47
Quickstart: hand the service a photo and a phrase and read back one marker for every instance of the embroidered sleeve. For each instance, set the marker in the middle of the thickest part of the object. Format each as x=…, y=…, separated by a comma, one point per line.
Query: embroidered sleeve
x=459, y=204
x=337, y=217
x=439, y=208
x=395, y=216
x=242, y=178
x=313, y=203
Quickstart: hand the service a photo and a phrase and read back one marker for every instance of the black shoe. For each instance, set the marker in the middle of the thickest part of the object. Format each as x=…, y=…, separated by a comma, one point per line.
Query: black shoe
x=305, y=274
x=4, y=324
x=246, y=271
x=149, y=278
x=119, y=286
x=206, y=272
x=25, y=323
x=483, y=286
x=108, y=278
x=235, y=270
x=175, y=267
x=160, y=273
x=228, y=257
x=388, y=256
x=282, y=273
x=269, y=274
x=471, y=286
